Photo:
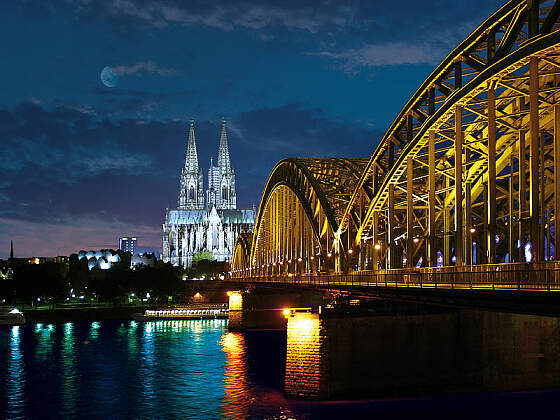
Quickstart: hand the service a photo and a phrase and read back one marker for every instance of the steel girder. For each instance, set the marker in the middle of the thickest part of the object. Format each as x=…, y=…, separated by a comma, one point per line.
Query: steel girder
x=484, y=126
x=451, y=112
x=322, y=187
x=242, y=250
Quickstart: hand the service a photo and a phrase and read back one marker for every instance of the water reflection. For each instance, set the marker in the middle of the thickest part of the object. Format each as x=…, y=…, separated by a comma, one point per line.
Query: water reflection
x=237, y=398
x=147, y=370
x=16, y=376
x=70, y=385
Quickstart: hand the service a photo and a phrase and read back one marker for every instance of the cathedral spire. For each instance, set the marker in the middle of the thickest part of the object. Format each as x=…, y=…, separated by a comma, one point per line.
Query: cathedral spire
x=191, y=195
x=191, y=159
x=223, y=152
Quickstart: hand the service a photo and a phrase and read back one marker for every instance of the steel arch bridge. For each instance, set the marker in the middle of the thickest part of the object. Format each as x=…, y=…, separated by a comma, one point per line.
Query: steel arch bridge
x=465, y=175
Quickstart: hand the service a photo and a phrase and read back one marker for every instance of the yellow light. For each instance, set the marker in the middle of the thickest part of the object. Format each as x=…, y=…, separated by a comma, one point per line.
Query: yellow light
x=235, y=301
x=329, y=254
x=350, y=251
x=377, y=246
x=229, y=293
x=416, y=240
x=312, y=257
x=286, y=312
x=197, y=295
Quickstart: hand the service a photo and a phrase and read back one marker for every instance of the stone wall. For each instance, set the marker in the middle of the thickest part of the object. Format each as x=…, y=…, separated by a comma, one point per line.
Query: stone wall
x=340, y=355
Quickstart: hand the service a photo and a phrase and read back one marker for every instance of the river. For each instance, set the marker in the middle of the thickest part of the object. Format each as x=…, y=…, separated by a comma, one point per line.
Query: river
x=193, y=369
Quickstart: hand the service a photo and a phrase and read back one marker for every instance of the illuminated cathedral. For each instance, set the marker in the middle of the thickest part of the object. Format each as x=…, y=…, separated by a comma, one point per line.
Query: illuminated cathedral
x=205, y=222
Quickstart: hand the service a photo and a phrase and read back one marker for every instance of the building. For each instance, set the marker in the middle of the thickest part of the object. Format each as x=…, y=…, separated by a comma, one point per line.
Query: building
x=128, y=244
x=102, y=259
x=205, y=222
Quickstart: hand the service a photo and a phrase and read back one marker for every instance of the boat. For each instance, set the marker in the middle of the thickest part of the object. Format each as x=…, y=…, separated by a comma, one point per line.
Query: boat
x=199, y=311
x=13, y=317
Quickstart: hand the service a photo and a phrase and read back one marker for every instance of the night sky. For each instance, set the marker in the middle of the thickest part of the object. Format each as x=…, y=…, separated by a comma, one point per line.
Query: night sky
x=82, y=163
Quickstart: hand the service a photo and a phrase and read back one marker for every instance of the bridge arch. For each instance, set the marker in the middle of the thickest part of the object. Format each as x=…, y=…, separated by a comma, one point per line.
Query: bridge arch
x=301, y=207
x=485, y=127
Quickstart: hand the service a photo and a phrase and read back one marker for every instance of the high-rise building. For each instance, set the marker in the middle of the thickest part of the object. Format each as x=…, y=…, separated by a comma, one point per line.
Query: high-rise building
x=209, y=223
x=128, y=244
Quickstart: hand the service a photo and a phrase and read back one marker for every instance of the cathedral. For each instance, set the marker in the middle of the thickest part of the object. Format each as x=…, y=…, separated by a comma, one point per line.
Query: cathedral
x=205, y=222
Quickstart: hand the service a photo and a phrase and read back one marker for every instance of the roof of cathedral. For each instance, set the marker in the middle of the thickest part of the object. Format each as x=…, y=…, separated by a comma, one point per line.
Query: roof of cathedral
x=191, y=159
x=223, y=152
x=190, y=217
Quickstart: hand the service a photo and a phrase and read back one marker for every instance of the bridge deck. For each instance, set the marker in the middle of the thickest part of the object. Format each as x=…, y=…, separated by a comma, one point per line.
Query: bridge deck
x=527, y=277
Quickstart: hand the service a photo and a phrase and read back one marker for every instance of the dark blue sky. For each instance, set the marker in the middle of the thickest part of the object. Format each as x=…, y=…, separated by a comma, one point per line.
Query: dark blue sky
x=82, y=163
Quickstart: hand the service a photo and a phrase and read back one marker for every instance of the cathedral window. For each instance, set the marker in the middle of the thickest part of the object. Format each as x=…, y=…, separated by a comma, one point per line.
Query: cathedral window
x=224, y=193
x=191, y=193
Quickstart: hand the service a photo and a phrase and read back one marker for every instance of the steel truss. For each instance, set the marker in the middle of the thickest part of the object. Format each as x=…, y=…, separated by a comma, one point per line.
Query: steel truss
x=484, y=126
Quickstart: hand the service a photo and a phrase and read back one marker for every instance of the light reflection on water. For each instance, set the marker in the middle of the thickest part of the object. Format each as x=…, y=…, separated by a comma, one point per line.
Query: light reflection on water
x=16, y=375
x=186, y=369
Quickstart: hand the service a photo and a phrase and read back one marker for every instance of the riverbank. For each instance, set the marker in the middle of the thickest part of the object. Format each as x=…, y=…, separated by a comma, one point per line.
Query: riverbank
x=82, y=314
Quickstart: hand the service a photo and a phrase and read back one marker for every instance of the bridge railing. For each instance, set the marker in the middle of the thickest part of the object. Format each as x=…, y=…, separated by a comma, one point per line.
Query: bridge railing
x=514, y=276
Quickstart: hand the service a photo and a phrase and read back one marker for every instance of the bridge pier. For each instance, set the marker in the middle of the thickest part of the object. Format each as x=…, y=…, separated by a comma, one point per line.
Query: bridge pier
x=262, y=307
x=336, y=354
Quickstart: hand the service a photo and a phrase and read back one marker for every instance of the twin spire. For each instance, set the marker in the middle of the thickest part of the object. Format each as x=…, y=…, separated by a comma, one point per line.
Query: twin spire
x=221, y=178
x=191, y=159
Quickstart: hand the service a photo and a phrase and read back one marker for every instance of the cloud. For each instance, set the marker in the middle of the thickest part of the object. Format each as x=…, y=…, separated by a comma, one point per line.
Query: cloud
x=223, y=15
x=143, y=67
x=378, y=55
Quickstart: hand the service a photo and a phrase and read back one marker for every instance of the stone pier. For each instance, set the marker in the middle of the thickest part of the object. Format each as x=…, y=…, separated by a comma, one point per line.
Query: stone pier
x=263, y=308
x=336, y=355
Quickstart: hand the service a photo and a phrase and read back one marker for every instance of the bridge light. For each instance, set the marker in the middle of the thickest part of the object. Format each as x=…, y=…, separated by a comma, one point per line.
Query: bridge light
x=473, y=229
x=299, y=259
x=329, y=254
x=416, y=240
x=287, y=312
x=289, y=261
x=312, y=257
x=350, y=251
x=377, y=246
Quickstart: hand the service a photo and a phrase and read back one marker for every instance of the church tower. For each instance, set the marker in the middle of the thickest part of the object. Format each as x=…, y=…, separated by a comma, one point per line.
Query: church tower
x=191, y=192
x=227, y=198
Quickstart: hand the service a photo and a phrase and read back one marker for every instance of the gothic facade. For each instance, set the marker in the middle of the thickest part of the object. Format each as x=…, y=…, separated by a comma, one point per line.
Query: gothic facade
x=205, y=222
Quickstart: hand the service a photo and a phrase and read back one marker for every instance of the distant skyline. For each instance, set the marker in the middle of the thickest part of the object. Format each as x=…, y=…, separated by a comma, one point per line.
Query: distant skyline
x=83, y=163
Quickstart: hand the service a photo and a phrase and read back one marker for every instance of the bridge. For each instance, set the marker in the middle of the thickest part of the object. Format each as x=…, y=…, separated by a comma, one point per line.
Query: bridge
x=460, y=193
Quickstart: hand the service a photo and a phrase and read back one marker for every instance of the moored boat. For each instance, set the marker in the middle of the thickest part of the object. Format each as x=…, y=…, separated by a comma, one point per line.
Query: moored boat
x=13, y=317
x=200, y=311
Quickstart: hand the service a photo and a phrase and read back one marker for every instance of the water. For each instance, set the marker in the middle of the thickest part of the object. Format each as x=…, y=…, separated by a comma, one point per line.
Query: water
x=192, y=369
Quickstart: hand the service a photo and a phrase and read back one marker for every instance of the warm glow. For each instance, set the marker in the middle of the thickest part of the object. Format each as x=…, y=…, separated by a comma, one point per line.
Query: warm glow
x=473, y=230
x=286, y=312
x=377, y=246
x=299, y=259
x=304, y=344
x=350, y=251
x=329, y=254
x=197, y=295
x=235, y=301
x=416, y=240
